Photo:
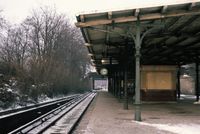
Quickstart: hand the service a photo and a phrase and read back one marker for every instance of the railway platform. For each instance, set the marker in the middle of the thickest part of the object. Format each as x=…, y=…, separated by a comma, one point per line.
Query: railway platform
x=106, y=115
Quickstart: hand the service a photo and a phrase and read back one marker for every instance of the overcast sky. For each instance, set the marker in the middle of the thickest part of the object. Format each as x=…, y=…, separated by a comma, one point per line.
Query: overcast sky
x=17, y=10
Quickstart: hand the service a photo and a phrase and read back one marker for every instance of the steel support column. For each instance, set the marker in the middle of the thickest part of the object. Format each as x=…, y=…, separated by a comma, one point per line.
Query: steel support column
x=197, y=81
x=93, y=83
x=116, y=84
x=137, y=72
x=125, y=89
x=113, y=85
x=109, y=84
x=178, y=82
x=119, y=91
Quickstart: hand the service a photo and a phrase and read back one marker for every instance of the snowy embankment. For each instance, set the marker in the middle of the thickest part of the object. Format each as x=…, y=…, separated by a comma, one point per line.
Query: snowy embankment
x=175, y=128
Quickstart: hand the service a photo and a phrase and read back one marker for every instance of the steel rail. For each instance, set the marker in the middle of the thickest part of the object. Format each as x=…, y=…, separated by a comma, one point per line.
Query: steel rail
x=13, y=121
x=5, y=112
x=46, y=117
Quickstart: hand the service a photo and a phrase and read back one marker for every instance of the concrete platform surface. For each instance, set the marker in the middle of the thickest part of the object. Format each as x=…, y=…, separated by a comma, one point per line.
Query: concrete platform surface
x=107, y=116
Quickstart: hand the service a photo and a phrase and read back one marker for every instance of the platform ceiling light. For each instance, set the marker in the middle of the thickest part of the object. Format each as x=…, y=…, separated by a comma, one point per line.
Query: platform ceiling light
x=115, y=62
x=90, y=54
x=87, y=44
x=109, y=61
x=105, y=61
x=92, y=60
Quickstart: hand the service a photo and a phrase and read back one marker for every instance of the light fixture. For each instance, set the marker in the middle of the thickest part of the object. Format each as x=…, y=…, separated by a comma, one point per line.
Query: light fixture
x=105, y=60
x=93, y=64
x=114, y=61
x=90, y=54
x=109, y=61
x=87, y=44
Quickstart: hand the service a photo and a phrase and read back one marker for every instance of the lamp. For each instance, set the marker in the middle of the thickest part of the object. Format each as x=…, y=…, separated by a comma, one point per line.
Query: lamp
x=90, y=54
x=87, y=44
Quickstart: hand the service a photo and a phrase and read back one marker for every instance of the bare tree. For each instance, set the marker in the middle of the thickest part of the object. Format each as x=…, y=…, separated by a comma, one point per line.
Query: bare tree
x=46, y=51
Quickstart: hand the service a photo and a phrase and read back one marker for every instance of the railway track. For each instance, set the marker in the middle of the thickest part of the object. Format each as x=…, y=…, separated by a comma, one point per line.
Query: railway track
x=6, y=112
x=40, y=118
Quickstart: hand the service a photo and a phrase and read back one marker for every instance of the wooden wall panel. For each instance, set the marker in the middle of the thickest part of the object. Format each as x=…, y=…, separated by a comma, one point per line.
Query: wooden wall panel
x=158, y=83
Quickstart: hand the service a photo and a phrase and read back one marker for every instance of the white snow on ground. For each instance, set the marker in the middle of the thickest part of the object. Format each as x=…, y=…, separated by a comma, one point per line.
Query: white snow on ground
x=184, y=96
x=175, y=128
x=9, y=90
x=197, y=102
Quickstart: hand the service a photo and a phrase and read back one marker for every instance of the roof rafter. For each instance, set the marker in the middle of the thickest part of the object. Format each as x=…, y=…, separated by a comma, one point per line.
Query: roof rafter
x=133, y=18
x=164, y=9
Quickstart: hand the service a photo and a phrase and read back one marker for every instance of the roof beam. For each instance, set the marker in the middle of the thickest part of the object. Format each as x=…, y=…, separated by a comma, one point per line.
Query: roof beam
x=87, y=38
x=173, y=24
x=109, y=15
x=170, y=14
x=133, y=18
x=174, y=49
x=164, y=9
x=191, y=6
x=151, y=51
x=106, y=21
x=137, y=11
x=182, y=56
x=85, y=30
x=107, y=34
x=108, y=27
x=189, y=21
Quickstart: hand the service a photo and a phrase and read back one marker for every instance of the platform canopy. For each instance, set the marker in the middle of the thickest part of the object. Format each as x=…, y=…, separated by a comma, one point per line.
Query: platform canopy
x=171, y=35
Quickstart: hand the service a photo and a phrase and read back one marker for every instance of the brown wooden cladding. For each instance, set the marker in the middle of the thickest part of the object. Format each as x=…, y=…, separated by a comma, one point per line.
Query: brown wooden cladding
x=158, y=83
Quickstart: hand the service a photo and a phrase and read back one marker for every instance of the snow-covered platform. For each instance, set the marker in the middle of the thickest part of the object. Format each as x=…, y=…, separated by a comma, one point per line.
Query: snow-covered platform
x=107, y=116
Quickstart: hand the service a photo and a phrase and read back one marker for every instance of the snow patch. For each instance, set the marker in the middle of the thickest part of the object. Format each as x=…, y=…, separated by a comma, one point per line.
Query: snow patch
x=184, y=96
x=6, y=85
x=9, y=90
x=197, y=102
x=178, y=128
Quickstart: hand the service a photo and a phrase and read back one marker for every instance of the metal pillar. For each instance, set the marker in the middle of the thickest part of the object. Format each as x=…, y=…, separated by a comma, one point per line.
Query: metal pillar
x=197, y=81
x=137, y=72
x=125, y=90
x=114, y=86
x=93, y=83
x=178, y=82
x=119, y=85
x=115, y=83
x=109, y=84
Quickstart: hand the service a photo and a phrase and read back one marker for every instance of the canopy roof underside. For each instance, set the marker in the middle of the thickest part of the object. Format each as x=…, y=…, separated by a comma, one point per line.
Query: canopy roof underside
x=172, y=34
